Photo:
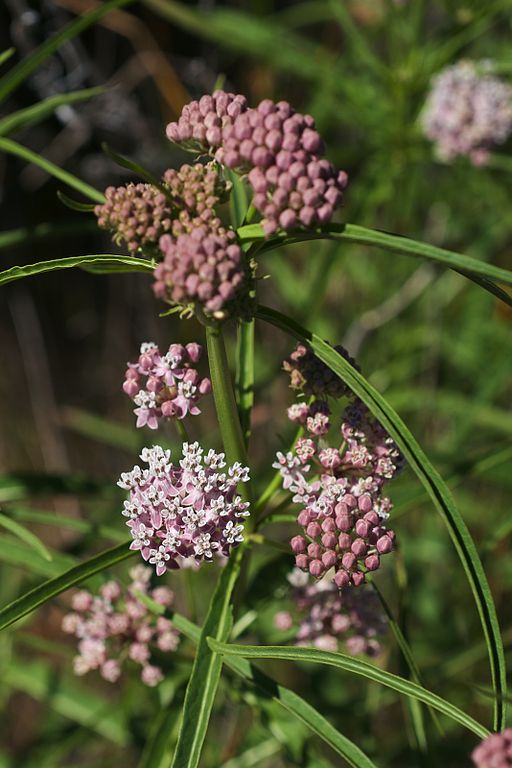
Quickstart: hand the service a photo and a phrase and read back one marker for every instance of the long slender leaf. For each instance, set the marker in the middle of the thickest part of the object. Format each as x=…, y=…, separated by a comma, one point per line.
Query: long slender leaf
x=130, y=165
x=290, y=701
x=433, y=483
x=204, y=680
x=6, y=55
x=37, y=112
x=18, y=74
x=42, y=517
x=27, y=536
x=479, y=272
x=13, y=148
x=132, y=262
x=357, y=667
x=53, y=587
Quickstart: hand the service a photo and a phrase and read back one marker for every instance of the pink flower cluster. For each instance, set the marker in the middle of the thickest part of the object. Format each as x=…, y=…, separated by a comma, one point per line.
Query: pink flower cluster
x=468, y=111
x=340, y=492
x=329, y=616
x=117, y=625
x=495, y=751
x=136, y=213
x=141, y=213
x=167, y=386
x=280, y=150
x=186, y=513
x=205, y=269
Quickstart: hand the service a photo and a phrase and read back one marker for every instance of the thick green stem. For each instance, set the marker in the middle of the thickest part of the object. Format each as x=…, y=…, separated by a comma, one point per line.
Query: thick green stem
x=245, y=375
x=225, y=404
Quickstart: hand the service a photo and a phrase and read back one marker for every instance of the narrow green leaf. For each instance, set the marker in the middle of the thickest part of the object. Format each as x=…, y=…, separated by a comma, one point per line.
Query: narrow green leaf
x=74, y=205
x=434, y=485
x=290, y=701
x=238, y=200
x=244, y=380
x=479, y=272
x=13, y=148
x=14, y=551
x=27, y=536
x=19, y=73
x=53, y=587
x=204, y=680
x=42, y=517
x=23, y=118
x=16, y=273
x=5, y=55
x=130, y=165
x=357, y=667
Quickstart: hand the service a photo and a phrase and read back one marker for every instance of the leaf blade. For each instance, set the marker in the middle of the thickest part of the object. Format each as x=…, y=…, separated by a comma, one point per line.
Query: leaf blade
x=52, y=587
x=358, y=667
x=18, y=272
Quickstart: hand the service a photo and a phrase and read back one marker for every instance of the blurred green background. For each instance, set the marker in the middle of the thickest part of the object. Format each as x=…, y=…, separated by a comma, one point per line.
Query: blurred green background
x=433, y=343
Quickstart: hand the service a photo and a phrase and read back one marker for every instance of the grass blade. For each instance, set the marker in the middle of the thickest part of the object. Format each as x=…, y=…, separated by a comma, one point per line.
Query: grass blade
x=132, y=262
x=434, y=485
x=19, y=73
x=53, y=587
x=13, y=148
x=27, y=536
x=357, y=667
x=478, y=271
x=204, y=680
x=37, y=112
x=290, y=701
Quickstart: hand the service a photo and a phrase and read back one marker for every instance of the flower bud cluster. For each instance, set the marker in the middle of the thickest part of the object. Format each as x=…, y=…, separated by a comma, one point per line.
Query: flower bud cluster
x=328, y=616
x=340, y=492
x=206, y=269
x=186, y=513
x=468, y=111
x=167, y=386
x=196, y=189
x=117, y=625
x=495, y=751
x=139, y=214
x=280, y=150
x=312, y=377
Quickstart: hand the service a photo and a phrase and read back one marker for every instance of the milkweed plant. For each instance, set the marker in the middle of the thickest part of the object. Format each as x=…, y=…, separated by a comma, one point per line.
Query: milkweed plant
x=259, y=178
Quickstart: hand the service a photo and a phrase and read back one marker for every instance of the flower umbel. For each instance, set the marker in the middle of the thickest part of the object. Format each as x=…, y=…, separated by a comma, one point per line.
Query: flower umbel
x=468, y=111
x=165, y=386
x=117, y=625
x=184, y=513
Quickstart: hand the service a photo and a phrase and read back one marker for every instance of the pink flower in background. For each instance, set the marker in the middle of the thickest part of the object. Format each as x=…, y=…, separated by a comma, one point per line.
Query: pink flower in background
x=117, y=624
x=184, y=512
x=468, y=111
x=327, y=617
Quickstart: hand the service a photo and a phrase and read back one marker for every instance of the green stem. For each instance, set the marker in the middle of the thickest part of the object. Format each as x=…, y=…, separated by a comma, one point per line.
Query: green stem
x=225, y=404
x=244, y=383
x=182, y=431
